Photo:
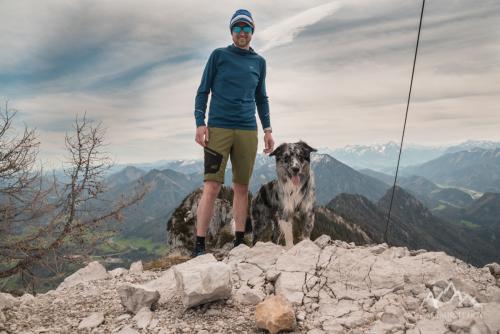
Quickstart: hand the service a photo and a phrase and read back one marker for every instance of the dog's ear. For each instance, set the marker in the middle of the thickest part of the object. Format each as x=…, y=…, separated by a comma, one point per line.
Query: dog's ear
x=306, y=147
x=278, y=151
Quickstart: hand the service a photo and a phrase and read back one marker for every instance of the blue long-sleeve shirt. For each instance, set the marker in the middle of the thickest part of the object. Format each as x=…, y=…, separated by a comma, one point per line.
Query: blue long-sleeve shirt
x=237, y=80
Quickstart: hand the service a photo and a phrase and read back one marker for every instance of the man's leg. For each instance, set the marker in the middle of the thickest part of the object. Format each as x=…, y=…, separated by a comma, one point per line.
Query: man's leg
x=216, y=154
x=240, y=205
x=204, y=214
x=242, y=158
x=205, y=208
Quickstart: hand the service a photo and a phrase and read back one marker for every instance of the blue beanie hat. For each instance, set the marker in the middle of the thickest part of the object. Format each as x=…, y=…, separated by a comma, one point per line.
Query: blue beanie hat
x=242, y=15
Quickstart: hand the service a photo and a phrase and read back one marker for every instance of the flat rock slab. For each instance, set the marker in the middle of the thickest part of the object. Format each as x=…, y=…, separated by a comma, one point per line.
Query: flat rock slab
x=200, y=281
x=135, y=297
x=93, y=320
x=93, y=271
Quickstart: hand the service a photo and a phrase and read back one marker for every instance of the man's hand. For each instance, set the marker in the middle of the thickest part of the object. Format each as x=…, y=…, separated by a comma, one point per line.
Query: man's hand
x=202, y=135
x=268, y=142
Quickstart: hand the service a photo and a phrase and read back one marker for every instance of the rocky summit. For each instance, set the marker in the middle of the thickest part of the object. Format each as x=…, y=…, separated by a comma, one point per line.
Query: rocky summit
x=321, y=286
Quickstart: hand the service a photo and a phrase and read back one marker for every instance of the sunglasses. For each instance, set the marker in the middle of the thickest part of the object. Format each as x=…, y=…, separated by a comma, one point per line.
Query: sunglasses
x=246, y=29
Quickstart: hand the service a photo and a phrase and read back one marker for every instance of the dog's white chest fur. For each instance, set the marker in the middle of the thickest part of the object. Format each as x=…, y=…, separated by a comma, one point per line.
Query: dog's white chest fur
x=293, y=200
x=292, y=197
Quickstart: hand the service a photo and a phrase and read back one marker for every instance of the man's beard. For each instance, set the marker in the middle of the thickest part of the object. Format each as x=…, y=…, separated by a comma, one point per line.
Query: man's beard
x=243, y=42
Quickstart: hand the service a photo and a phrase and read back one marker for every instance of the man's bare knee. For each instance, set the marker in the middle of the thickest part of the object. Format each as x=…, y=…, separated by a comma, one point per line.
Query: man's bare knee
x=212, y=188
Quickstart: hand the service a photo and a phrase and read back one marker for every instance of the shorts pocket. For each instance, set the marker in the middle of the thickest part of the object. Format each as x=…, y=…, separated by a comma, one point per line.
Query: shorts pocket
x=213, y=160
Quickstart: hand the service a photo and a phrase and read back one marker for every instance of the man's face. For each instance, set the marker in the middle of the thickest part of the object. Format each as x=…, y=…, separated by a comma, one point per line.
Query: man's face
x=241, y=39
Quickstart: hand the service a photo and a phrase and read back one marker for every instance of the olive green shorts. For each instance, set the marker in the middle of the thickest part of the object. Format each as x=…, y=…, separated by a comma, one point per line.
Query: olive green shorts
x=239, y=145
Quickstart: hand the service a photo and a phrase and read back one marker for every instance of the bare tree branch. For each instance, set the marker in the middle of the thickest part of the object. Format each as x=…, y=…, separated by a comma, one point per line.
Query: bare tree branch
x=47, y=222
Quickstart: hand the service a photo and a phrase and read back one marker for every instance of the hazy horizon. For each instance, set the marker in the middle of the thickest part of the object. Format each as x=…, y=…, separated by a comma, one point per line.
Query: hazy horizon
x=321, y=150
x=338, y=71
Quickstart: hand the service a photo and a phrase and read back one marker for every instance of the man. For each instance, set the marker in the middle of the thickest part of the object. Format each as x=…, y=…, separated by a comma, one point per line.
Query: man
x=235, y=75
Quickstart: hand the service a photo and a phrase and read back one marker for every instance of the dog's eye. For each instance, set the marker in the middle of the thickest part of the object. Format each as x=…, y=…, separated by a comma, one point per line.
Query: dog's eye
x=286, y=158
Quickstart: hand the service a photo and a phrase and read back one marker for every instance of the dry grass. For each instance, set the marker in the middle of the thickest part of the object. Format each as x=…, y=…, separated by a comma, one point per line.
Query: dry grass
x=165, y=262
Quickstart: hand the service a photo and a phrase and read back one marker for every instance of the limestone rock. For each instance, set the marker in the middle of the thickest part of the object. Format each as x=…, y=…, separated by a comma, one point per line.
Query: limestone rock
x=338, y=309
x=247, y=271
x=122, y=317
x=461, y=324
x=257, y=282
x=415, y=252
x=365, y=271
x=490, y=315
x=117, y=272
x=289, y=284
x=337, y=288
x=301, y=257
x=143, y=317
x=128, y=330
x=93, y=271
x=27, y=298
x=316, y=331
x=383, y=327
x=275, y=314
x=356, y=319
x=393, y=315
x=322, y=241
x=263, y=254
x=379, y=249
x=202, y=259
x=429, y=326
x=8, y=301
x=238, y=252
x=479, y=328
x=272, y=275
x=199, y=283
x=494, y=269
x=134, y=297
x=301, y=315
x=165, y=285
x=93, y=320
x=333, y=327
x=247, y=296
x=136, y=267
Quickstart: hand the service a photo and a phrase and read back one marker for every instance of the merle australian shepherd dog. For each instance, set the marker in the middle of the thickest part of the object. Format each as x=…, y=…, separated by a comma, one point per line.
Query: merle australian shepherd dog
x=282, y=210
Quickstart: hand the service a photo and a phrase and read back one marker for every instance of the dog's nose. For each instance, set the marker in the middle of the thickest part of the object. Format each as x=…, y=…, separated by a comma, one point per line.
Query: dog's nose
x=295, y=169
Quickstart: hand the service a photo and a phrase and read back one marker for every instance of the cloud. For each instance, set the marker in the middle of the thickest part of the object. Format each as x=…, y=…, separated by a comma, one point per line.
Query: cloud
x=338, y=72
x=284, y=31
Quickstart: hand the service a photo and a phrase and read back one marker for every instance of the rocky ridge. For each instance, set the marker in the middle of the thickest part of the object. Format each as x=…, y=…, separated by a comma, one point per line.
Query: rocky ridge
x=332, y=287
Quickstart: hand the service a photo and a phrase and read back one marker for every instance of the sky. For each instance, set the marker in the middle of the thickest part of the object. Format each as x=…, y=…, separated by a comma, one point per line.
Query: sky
x=338, y=72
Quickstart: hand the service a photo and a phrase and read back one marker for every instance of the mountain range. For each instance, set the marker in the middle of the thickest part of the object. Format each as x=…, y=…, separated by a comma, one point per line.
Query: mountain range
x=380, y=157
x=414, y=226
x=383, y=157
x=449, y=203
x=477, y=169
